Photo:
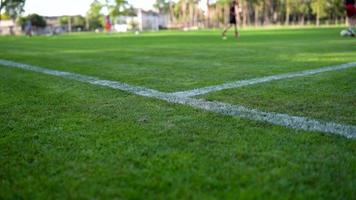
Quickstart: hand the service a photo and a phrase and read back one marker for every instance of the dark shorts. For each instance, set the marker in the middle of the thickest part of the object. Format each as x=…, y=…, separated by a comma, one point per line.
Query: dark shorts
x=232, y=20
x=351, y=10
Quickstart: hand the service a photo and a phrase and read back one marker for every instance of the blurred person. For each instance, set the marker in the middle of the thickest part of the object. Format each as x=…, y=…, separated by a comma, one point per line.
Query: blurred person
x=234, y=12
x=350, y=6
x=108, y=24
x=28, y=28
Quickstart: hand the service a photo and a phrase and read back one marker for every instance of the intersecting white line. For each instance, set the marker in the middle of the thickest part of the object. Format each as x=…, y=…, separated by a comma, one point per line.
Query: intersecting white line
x=294, y=122
x=237, y=84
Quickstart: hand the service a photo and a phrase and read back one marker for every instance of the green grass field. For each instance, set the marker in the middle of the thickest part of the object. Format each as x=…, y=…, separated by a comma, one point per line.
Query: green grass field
x=63, y=139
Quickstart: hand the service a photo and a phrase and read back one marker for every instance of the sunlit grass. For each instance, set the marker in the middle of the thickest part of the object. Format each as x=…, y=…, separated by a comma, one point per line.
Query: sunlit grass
x=62, y=139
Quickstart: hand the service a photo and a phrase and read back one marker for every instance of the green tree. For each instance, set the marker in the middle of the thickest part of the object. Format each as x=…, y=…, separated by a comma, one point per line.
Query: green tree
x=162, y=6
x=78, y=21
x=21, y=21
x=63, y=20
x=117, y=7
x=304, y=9
x=319, y=9
x=186, y=12
x=13, y=8
x=37, y=20
x=335, y=10
x=66, y=21
x=180, y=11
x=95, y=18
x=4, y=16
x=131, y=11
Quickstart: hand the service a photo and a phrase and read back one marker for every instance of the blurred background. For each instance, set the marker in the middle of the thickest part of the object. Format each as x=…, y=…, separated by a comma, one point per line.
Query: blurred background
x=60, y=16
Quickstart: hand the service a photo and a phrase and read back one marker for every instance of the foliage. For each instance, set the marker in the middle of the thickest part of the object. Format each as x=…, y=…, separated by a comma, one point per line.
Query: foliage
x=21, y=21
x=5, y=16
x=257, y=12
x=95, y=9
x=76, y=21
x=319, y=7
x=117, y=7
x=36, y=20
x=95, y=18
x=64, y=20
x=162, y=6
x=131, y=11
x=13, y=8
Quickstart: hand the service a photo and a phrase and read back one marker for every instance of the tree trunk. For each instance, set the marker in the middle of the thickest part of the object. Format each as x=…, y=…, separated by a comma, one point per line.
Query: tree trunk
x=244, y=14
x=226, y=13
x=248, y=14
x=191, y=14
x=184, y=13
x=216, y=15
x=287, y=12
x=302, y=19
x=87, y=23
x=220, y=14
x=266, y=12
x=256, y=16
x=208, y=13
x=197, y=14
x=69, y=24
x=171, y=12
x=294, y=19
x=271, y=10
x=318, y=14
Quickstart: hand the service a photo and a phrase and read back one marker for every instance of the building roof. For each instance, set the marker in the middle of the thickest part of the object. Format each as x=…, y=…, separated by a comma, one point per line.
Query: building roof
x=150, y=12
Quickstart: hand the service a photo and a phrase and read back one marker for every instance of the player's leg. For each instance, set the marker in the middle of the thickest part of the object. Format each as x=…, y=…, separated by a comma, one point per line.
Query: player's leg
x=237, y=35
x=225, y=30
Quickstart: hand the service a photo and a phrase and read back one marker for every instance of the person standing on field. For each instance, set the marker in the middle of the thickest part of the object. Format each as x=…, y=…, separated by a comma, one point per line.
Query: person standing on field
x=108, y=24
x=28, y=28
x=234, y=12
x=350, y=6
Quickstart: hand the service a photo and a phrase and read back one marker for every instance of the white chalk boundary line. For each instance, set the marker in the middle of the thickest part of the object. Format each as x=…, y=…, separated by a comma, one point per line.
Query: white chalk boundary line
x=294, y=122
x=237, y=84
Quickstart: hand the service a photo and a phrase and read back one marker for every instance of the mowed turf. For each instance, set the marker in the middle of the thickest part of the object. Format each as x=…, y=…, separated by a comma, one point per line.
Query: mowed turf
x=173, y=61
x=327, y=96
x=65, y=139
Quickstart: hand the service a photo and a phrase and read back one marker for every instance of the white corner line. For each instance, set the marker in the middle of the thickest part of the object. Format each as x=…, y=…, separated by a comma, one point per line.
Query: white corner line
x=293, y=122
x=241, y=83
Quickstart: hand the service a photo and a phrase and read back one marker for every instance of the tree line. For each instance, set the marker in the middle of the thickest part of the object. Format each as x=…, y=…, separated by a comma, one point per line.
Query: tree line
x=254, y=12
x=213, y=13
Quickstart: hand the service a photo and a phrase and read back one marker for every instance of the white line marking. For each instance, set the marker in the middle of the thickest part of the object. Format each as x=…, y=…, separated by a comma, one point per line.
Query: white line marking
x=87, y=79
x=237, y=84
x=294, y=122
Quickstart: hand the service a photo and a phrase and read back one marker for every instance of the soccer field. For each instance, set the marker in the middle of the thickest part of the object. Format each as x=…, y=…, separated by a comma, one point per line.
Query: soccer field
x=179, y=115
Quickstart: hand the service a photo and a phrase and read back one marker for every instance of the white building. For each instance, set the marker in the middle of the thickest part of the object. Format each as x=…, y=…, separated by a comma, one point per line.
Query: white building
x=148, y=20
x=143, y=21
x=9, y=27
x=164, y=21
